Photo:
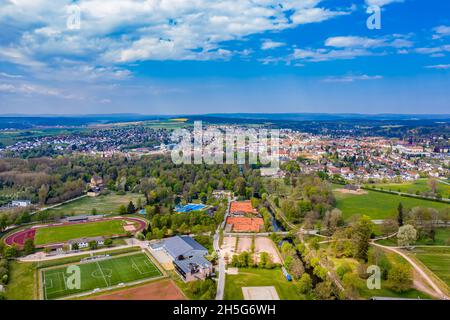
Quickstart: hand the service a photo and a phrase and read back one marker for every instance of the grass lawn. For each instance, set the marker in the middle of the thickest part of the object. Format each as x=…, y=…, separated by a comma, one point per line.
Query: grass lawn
x=100, y=274
x=22, y=281
x=104, y=204
x=259, y=277
x=58, y=234
x=412, y=187
x=378, y=205
x=442, y=235
x=437, y=260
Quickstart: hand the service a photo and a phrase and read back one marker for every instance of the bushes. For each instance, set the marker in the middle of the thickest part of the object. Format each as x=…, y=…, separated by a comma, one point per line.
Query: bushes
x=203, y=290
x=305, y=284
x=400, y=278
x=4, y=271
x=343, y=269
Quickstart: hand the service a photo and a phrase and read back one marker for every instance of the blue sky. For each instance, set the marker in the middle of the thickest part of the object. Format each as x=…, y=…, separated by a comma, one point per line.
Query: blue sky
x=201, y=56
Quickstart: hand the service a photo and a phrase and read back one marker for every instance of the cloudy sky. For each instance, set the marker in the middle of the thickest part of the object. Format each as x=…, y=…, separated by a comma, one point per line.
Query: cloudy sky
x=207, y=56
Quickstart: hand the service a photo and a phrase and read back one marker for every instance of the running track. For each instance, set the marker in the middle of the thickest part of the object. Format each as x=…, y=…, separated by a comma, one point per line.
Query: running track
x=20, y=236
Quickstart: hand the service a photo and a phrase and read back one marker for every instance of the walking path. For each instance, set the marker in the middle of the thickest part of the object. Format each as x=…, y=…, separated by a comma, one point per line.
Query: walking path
x=417, y=268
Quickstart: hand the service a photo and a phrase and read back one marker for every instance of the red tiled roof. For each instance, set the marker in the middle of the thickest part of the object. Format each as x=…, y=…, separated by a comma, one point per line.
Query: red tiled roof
x=245, y=224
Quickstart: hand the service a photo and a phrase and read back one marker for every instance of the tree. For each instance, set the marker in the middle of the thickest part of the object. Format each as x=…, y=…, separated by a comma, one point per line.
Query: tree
x=400, y=214
x=10, y=252
x=406, y=235
x=43, y=194
x=324, y=291
x=93, y=245
x=94, y=211
x=131, y=208
x=351, y=284
x=305, y=284
x=108, y=242
x=122, y=210
x=361, y=233
x=432, y=183
x=75, y=246
x=28, y=246
x=400, y=277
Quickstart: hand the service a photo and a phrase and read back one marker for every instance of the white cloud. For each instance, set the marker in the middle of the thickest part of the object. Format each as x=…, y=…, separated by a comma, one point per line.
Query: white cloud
x=269, y=44
x=7, y=75
x=381, y=3
x=124, y=31
x=314, y=15
x=439, y=66
x=352, y=78
x=32, y=89
x=353, y=42
x=441, y=31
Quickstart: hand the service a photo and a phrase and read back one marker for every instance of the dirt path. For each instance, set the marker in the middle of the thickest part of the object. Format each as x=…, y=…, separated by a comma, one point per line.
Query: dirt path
x=437, y=291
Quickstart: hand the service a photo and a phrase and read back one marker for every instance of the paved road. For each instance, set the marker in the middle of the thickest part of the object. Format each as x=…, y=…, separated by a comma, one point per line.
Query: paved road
x=221, y=281
x=417, y=268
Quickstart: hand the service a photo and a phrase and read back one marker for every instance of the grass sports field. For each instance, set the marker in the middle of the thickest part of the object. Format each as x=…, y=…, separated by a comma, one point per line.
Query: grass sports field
x=437, y=260
x=99, y=274
x=104, y=204
x=378, y=205
x=259, y=277
x=420, y=185
x=59, y=234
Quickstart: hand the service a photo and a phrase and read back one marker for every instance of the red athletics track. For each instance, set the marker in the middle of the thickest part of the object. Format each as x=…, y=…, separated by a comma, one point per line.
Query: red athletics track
x=19, y=237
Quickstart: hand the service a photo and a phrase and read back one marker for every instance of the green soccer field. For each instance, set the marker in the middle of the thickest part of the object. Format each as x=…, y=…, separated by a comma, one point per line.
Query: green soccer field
x=99, y=274
x=57, y=234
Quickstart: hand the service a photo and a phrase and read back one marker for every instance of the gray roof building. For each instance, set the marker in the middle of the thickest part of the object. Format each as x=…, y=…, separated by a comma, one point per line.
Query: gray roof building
x=181, y=246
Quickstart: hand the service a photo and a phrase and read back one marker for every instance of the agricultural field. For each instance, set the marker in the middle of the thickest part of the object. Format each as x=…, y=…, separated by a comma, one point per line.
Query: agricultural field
x=378, y=205
x=57, y=234
x=103, y=204
x=420, y=185
x=99, y=274
x=437, y=260
x=259, y=277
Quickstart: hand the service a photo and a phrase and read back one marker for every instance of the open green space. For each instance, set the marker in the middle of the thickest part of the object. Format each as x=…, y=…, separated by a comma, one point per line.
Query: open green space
x=256, y=278
x=420, y=185
x=22, y=281
x=57, y=234
x=99, y=274
x=437, y=260
x=378, y=205
x=104, y=204
x=441, y=239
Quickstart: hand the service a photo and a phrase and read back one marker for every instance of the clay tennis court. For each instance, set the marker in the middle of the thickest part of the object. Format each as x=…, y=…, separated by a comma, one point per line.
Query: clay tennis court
x=265, y=244
x=160, y=290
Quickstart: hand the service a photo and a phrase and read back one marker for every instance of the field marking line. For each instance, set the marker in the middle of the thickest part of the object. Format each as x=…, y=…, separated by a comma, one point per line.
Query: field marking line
x=101, y=270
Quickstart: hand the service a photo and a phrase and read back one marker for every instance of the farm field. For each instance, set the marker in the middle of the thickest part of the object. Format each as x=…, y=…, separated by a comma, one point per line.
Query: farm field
x=64, y=233
x=437, y=260
x=259, y=277
x=99, y=274
x=420, y=185
x=378, y=205
x=104, y=204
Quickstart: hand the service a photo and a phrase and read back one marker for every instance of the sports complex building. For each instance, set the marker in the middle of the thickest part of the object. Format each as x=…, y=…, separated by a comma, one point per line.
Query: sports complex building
x=187, y=256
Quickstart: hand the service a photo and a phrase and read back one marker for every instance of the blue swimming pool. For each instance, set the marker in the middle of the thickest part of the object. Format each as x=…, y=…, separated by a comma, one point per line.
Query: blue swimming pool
x=189, y=207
